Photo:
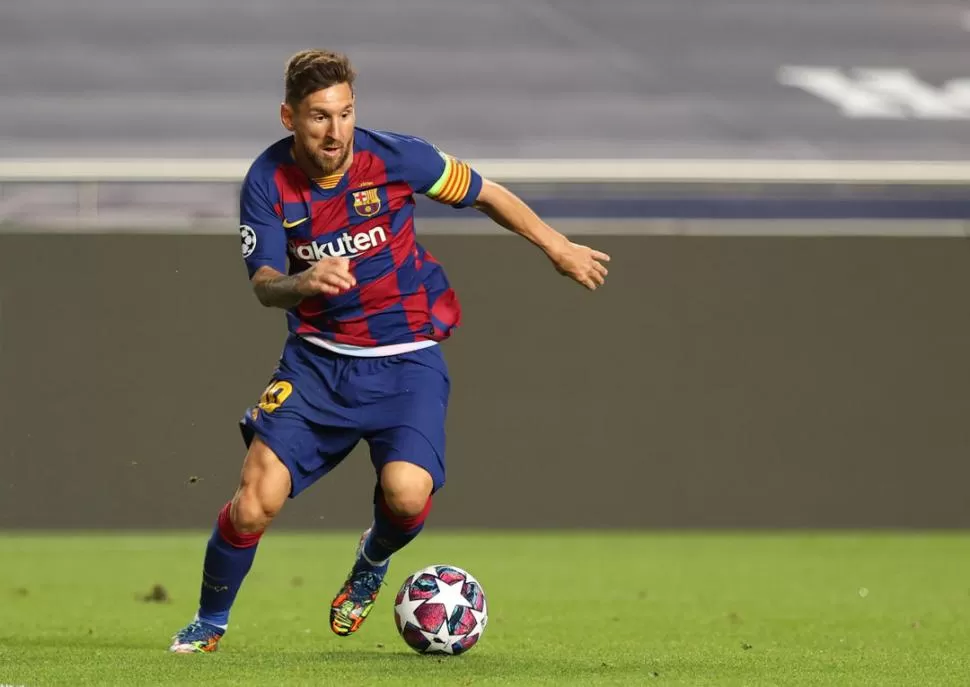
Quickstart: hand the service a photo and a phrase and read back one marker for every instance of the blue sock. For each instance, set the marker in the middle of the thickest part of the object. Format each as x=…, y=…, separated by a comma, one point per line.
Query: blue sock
x=228, y=558
x=390, y=533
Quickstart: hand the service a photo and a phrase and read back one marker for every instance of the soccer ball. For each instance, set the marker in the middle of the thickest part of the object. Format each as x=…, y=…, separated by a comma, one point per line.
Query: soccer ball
x=441, y=609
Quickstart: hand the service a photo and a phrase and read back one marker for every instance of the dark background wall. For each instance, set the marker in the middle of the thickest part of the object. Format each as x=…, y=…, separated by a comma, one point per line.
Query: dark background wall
x=713, y=382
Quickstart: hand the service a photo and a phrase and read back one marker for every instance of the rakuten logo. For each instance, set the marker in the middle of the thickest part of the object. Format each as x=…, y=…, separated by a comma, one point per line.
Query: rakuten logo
x=343, y=246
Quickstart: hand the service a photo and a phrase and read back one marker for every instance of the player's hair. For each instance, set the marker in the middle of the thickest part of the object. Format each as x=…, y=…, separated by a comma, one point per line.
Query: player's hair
x=309, y=71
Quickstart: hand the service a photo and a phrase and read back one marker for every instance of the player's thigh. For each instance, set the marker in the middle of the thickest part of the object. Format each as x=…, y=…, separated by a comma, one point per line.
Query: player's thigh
x=308, y=439
x=306, y=450
x=409, y=426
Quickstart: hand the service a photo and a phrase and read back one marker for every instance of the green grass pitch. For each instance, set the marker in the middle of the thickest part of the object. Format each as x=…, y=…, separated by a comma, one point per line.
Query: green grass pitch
x=591, y=608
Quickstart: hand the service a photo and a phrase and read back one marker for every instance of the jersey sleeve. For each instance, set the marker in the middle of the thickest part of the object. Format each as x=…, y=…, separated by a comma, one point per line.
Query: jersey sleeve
x=260, y=226
x=438, y=175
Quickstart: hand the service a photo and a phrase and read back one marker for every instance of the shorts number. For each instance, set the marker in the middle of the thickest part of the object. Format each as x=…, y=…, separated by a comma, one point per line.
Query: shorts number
x=274, y=396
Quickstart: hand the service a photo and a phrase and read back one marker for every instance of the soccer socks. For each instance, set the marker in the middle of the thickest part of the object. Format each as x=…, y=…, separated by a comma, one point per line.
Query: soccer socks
x=390, y=532
x=228, y=558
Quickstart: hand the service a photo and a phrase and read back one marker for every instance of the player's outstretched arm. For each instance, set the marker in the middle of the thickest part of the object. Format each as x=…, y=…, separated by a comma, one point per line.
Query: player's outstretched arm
x=581, y=263
x=328, y=276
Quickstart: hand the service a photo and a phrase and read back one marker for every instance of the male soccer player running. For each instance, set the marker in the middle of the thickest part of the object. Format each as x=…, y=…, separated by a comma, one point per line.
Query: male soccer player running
x=328, y=235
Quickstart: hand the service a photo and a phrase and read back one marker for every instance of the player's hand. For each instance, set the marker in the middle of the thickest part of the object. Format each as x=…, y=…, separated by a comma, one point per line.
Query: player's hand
x=328, y=276
x=582, y=264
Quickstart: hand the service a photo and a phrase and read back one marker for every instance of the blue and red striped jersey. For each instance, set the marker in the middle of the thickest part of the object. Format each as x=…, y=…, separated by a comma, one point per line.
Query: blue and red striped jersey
x=288, y=221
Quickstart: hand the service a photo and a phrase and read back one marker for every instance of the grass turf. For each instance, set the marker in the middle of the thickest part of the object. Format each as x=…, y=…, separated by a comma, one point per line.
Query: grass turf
x=565, y=608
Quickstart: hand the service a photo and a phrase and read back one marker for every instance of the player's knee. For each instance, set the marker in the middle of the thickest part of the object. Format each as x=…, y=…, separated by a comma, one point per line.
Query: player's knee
x=407, y=503
x=250, y=513
x=406, y=489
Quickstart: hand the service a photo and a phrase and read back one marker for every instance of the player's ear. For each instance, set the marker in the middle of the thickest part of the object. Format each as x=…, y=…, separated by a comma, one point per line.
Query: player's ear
x=286, y=116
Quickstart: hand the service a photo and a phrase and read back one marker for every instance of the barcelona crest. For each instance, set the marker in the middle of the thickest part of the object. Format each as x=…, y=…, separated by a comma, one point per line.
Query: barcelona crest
x=367, y=202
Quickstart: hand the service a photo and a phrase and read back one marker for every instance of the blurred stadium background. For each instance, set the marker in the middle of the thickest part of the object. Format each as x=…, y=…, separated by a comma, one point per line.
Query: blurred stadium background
x=782, y=185
x=782, y=343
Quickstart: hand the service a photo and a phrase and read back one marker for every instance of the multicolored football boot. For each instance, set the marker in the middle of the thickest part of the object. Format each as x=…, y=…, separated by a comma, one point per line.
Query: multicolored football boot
x=196, y=638
x=355, y=599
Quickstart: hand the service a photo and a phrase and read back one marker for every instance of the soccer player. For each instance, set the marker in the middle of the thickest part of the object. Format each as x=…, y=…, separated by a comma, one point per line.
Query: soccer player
x=327, y=226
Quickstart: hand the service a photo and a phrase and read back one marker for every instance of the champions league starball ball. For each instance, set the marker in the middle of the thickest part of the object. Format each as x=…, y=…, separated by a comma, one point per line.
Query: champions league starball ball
x=441, y=609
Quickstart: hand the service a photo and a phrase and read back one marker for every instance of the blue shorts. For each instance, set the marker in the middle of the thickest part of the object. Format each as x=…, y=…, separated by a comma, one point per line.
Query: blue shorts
x=319, y=405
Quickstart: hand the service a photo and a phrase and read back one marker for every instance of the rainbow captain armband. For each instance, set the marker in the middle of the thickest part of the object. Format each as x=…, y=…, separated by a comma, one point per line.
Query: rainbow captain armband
x=454, y=183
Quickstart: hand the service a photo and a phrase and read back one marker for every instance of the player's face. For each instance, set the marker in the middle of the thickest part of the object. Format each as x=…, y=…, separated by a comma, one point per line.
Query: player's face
x=323, y=127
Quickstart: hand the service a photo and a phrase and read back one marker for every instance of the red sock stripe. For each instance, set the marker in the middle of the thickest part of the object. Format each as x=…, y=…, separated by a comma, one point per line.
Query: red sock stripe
x=240, y=540
x=405, y=522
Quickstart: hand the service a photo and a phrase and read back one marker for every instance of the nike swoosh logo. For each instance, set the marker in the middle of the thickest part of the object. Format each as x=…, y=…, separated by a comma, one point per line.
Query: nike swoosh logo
x=289, y=225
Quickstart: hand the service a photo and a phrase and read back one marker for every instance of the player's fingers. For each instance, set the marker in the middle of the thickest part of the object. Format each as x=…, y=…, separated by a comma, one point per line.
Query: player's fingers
x=345, y=273
x=600, y=256
x=600, y=269
x=588, y=283
x=338, y=281
x=329, y=268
